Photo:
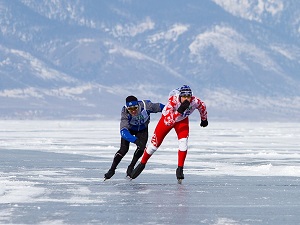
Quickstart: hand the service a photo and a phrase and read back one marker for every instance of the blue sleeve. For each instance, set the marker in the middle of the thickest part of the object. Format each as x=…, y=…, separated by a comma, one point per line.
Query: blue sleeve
x=127, y=135
x=161, y=106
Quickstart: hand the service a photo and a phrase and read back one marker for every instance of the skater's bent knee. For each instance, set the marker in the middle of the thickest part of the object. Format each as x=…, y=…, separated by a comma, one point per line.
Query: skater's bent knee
x=183, y=144
x=151, y=149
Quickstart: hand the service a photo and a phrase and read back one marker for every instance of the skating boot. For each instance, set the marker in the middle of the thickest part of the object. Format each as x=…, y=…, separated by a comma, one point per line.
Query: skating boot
x=129, y=171
x=137, y=171
x=179, y=174
x=109, y=174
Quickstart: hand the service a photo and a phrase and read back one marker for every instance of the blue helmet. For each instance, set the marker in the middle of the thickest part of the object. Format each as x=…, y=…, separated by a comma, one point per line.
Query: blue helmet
x=185, y=90
x=131, y=101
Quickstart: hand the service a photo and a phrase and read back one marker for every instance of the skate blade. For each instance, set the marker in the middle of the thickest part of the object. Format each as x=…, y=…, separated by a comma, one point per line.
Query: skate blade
x=179, y=181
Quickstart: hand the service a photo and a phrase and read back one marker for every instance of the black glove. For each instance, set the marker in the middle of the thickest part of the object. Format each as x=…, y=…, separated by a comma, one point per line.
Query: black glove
x=204, y=123
x=139, y=144
x=184, y=105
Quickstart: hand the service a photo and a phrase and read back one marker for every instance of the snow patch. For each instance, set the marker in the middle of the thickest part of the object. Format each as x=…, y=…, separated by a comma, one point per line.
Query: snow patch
x=252, y=10
x=131, y=30
x=231, y=46
x=172, y=34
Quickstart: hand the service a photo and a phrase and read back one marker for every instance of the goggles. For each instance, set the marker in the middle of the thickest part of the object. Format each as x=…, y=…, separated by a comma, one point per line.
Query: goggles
x=132, y=108
x=186, y=96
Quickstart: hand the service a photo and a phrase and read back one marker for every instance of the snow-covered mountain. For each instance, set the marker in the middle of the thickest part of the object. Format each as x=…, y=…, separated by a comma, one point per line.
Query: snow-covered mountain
x=81, y=58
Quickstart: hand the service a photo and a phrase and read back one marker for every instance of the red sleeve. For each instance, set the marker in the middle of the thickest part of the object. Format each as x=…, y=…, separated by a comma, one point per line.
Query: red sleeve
x=170, y=111
x=202, y=109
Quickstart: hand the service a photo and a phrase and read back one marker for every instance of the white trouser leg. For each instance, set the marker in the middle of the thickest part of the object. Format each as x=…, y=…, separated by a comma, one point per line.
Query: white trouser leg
x=183, y=144
x=151, y=149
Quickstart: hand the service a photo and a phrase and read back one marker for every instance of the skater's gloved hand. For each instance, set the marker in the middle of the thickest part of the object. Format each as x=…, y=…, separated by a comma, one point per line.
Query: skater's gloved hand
x=184, y=105
x=204, y=123
x=138, y=143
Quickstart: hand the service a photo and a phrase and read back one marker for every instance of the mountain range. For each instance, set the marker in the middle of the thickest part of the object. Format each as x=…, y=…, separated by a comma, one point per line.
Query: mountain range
x=80, y=59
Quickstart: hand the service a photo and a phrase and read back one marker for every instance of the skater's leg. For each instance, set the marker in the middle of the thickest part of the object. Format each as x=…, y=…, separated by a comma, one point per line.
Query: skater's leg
x=182, y=130
x=143, y=137
x=124, y=147
x=160, y=132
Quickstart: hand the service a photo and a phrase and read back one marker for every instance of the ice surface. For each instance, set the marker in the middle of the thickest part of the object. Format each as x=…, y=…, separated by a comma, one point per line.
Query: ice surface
x=51, y=172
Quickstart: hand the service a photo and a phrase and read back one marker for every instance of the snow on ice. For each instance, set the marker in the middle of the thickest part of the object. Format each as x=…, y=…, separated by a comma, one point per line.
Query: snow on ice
x=51, y=172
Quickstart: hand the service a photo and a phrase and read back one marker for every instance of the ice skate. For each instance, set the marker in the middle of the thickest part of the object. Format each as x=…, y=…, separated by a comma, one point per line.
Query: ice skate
x=109, y=174
x=129, y=171
x=137, y=171
x=179, y=174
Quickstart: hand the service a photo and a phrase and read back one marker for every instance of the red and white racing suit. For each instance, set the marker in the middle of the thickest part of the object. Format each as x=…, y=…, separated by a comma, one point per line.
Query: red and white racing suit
x=180, y=122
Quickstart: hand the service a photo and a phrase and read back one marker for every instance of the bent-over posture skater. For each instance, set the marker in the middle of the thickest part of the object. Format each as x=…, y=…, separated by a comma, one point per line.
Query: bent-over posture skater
x=175, y=115
x=135, y=117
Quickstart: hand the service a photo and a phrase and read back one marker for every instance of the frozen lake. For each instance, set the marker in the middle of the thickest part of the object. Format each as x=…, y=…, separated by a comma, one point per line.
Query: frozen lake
x=51, y=172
